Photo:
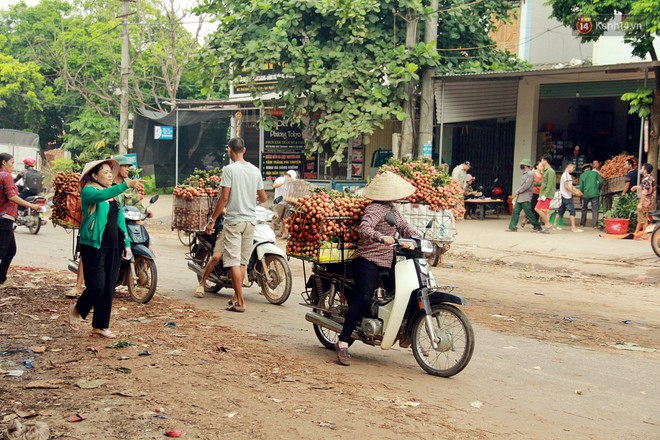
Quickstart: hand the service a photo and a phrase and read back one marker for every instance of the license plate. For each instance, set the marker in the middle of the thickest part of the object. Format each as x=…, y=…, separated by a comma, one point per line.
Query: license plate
x=650, y=228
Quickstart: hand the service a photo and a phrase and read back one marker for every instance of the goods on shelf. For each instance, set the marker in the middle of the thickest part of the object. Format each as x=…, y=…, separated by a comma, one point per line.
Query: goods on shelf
x=66, y=200
x=324, y=226
x=434, y=185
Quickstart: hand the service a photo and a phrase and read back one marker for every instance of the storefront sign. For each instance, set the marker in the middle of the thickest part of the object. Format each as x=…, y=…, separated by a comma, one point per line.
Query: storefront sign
x=163, y=132
x=284, y=137
x=264, y=82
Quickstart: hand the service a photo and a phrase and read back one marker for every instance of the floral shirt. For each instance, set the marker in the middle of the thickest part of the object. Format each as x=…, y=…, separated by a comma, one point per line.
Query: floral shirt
x=373, y=226
x=8, y=189
x=647, y=193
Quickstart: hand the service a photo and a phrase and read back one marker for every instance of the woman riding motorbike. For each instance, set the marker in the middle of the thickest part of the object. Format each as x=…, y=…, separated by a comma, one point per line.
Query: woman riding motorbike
x=374, y=251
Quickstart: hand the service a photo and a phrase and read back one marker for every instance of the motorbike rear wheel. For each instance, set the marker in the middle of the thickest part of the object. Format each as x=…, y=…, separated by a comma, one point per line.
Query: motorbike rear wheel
x=142, y=279
x=455, y=341
x=655, y=241
x=34, y=225
x=326, y=337
x=277, y=285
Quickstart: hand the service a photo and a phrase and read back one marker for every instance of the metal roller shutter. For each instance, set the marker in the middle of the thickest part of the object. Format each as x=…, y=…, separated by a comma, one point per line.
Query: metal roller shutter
x=475, y=100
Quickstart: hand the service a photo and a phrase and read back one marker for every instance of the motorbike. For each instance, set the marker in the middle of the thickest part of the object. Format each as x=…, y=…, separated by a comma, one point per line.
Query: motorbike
x=139, y=274
x=654, y=229
x=417, y=313
x=267, y=266
x=495, y=190
x=31, y=219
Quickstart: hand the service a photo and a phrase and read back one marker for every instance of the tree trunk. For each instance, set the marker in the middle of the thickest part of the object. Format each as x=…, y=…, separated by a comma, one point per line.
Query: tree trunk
x=654, y=135
x=407, y=132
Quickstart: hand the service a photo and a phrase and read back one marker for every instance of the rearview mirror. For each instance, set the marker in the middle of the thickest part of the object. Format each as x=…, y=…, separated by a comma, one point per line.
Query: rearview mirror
x=429, y=224
x=390, y=219
x=153, y=199
x=277, y=200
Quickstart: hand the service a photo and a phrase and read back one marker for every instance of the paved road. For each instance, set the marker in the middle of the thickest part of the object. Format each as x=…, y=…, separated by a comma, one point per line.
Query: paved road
x=526, y=387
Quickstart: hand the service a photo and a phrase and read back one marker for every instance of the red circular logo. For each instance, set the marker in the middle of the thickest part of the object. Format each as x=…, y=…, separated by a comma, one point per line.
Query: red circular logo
x=584, y=25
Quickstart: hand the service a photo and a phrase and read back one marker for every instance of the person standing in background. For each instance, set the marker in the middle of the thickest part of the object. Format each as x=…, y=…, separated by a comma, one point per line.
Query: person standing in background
x=647, y=197
x=590, y=184
x=548, y=188
x=460, y=173
x=631, y=176
x=567, y=191
x=524, y=198
x=282, y=207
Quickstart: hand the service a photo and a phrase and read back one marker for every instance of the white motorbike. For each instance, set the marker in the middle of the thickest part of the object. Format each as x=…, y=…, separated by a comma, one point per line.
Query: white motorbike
x=417, y=314
x=267, y=266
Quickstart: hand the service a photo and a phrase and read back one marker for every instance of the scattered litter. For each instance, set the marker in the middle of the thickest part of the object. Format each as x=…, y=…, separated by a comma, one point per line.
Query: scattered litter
x=54, y=317
x=170, y=324
x=46, y=338
x=123, y=358
x=277, y=400
x=25, y=414
x=476, y=404
x=627, y=321
x=569, y=318
x=175, y=353
x=291, y=379
x=633, y=347
x=174, y=433
x=539, y=293
x=89, y=384
x=120, y=344
x=28, y=364
x=75, y=418
x=139, y=320
x=410, y=404
x=9, y=418
x=44, y=384
x=329, y=425
x=129, y=393
x=144, y=353
x=537, y=368
x=231, y=414
x=578, y=392
x=510, y=347
x=15, y=350
x=499, y=316
x=38, y=349
x=160, y=410
x=222, y=348
x=15, y=373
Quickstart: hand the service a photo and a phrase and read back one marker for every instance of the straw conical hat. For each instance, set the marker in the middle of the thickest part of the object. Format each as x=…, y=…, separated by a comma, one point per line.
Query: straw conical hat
x=387, y=187
x=89, y=165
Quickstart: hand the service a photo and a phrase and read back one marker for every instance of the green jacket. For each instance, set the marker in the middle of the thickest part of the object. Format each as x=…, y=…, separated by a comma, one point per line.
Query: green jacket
x=590, y=184
x=549, y=183
x=95, y=208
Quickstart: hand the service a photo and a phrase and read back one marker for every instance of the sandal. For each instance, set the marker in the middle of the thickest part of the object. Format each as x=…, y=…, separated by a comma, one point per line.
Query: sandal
x=342, y=355
x=74, y=321
x=104, y=333
x=235, y=308
x=199, y=291
x=73, y=292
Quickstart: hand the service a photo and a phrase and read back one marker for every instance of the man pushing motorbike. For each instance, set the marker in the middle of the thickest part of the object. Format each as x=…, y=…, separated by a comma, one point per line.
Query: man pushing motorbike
x=374, y=252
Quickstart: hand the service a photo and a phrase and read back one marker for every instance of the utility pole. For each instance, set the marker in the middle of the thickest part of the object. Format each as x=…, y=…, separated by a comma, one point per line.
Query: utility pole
x=426, y=105
x=407, y=132
x=125, y=62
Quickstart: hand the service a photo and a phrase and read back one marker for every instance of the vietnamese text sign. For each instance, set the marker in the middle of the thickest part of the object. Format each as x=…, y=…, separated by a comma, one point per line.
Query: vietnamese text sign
x=163, y=132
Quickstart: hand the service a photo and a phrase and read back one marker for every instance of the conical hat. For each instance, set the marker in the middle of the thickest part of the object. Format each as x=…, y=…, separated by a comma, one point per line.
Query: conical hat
x=89, y=165
x=387, y=187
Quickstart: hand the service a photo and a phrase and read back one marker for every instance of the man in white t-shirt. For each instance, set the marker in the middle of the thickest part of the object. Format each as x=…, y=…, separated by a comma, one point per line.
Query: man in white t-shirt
x=241, y=186
x=281, y=208
x=567, y=191
x=460, y=173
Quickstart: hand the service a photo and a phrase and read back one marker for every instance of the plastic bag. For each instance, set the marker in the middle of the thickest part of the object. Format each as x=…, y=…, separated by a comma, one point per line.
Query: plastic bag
x=555, y=203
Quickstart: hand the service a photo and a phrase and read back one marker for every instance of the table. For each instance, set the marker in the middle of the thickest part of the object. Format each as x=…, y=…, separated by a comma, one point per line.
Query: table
x=481, y=203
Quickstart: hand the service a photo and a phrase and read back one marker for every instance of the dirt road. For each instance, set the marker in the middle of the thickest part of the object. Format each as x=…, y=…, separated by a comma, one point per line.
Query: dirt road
x=545, y=365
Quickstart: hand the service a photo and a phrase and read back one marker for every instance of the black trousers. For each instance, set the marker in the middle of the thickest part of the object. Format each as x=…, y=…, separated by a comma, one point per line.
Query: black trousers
x=7, y=247
x=100, y=267
x=366, y=276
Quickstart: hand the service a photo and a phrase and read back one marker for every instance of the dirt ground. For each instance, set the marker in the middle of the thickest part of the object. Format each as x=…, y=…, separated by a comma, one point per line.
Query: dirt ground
x=184, y=370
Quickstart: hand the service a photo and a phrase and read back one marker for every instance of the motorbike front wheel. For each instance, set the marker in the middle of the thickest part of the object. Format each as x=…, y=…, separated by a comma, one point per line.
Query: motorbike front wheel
x=142, y=279
x=185, y=237
x=34, y=223
x=655, y=241
x=276, y=286
x=455, y=341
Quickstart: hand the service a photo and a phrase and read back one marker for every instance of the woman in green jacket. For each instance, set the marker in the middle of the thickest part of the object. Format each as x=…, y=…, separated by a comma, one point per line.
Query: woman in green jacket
x=103, y=240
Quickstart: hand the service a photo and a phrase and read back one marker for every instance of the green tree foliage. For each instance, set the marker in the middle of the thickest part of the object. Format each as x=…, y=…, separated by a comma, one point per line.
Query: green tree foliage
x=23, y=94
x=642, y=18
x=343, y=63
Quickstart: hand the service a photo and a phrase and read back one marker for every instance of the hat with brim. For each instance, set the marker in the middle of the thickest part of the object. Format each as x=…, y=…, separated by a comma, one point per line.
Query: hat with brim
x=587, y=165
x=387, y=187
x=526, y=162
x=123, y=160
x=84, y=178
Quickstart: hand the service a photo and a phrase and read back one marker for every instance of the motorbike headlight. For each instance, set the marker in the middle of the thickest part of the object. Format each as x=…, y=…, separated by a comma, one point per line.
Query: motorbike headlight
x=133, y=215
x=426, y=246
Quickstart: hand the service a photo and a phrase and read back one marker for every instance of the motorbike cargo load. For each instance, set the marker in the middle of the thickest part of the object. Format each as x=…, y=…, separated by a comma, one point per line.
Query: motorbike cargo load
x=67, y=211
x=296, y=189
x=191, y=214
x=442, y=228
x=324, y=226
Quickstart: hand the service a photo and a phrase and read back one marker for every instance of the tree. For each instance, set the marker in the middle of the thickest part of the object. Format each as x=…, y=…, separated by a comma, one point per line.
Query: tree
x=345, y=67
x=23, y=94
x=642, y=19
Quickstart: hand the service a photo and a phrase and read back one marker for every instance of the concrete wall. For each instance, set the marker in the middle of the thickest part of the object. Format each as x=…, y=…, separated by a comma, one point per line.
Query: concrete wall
x=526, y=123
